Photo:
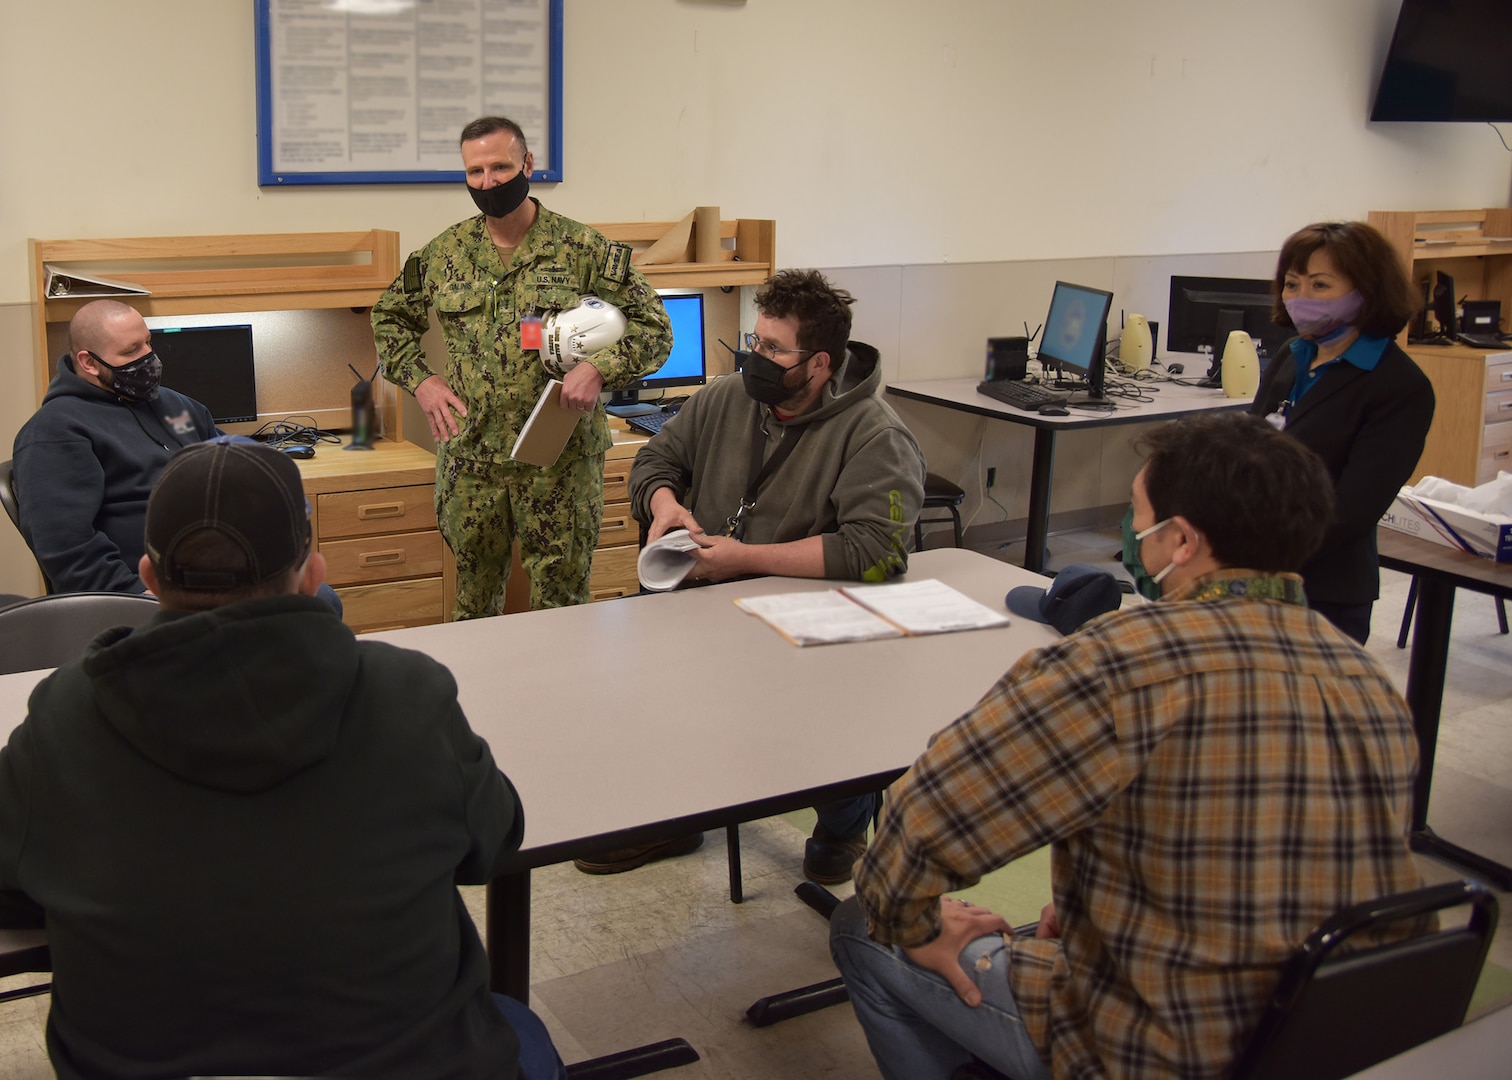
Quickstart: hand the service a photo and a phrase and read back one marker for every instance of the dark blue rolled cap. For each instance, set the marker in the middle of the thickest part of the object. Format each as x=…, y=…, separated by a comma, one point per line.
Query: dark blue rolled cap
x=1078, y=594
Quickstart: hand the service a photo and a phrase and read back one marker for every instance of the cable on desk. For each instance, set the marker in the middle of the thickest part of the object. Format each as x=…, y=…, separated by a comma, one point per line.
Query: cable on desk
x=290, y=432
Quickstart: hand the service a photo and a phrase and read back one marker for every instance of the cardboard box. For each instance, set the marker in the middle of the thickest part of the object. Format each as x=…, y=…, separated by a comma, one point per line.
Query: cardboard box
x=1489, y=536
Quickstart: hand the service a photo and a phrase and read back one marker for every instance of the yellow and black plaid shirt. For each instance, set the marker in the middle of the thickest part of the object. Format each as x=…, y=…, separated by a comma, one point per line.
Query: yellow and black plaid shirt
x=1216, y=775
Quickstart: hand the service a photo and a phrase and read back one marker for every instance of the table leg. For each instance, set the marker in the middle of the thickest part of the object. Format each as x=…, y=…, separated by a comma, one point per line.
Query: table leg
x=1039, y=499
x=508, y=922
x=1427, y=671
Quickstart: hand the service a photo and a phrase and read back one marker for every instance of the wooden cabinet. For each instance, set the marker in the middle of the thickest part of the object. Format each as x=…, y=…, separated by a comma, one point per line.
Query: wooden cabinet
x=614, y=560
x=372, y=510
x=1471, y=437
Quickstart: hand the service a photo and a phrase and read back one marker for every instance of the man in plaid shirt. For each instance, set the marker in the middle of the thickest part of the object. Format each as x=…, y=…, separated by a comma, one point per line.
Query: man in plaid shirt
x=1215, y=772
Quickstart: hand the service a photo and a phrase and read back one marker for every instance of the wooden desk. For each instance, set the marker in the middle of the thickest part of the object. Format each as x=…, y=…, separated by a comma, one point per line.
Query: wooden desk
x=1171, y=400
x=1439, y=571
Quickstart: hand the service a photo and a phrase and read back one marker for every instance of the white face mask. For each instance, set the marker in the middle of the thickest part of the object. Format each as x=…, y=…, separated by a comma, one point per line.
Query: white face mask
x=1138, y=538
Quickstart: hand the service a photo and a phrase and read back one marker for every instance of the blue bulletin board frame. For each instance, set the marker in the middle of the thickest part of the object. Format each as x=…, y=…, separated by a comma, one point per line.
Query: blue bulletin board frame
x=548, y=163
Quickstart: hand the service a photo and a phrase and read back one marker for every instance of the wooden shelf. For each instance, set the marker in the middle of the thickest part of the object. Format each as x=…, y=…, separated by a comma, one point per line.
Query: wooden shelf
x=749, y=260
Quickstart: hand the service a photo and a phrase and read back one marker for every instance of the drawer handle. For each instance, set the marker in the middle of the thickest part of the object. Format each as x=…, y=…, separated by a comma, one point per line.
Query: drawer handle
x=1499, y=454
x=624, y=523
x=370, y=511
x=1506, y=376
x=380, y=558
x=1504, y=406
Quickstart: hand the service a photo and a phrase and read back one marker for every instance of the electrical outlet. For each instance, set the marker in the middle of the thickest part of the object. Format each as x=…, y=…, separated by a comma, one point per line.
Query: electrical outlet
x=991, y=477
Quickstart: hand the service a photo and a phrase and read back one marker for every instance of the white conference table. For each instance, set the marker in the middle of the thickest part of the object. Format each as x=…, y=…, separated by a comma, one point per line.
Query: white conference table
x=649, y=716
x=1169, y=400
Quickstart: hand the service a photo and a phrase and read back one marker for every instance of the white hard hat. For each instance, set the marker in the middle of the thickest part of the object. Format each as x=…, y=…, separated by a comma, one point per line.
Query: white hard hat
x=577, y=333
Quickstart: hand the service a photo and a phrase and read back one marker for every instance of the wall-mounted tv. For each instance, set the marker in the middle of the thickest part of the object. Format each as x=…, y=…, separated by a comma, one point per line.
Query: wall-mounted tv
x=1449, y=60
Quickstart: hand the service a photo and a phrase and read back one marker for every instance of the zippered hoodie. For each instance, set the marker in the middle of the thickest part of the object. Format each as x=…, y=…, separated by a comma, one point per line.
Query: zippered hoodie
x=246, y=829
x=856, y=477
x=84, y=465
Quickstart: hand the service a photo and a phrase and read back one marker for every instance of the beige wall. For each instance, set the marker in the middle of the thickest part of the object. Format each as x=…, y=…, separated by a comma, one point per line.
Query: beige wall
x=895, y=138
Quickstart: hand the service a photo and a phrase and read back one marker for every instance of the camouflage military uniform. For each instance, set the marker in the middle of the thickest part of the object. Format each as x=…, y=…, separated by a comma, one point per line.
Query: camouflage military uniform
x=483, y=499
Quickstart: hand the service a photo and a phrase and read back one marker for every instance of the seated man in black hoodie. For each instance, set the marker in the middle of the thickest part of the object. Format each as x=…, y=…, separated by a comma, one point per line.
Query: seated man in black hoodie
x=86, y=461
x=246, y=828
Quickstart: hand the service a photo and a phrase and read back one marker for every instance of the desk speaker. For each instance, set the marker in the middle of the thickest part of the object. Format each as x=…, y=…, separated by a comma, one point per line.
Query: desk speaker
x=1241, y=366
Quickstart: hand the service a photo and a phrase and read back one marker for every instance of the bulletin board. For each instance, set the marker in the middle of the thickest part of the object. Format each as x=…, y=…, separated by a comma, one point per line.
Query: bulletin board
x=378, y=91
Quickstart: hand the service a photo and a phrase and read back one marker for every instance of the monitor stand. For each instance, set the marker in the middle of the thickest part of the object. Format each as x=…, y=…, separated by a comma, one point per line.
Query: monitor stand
x=623, y=403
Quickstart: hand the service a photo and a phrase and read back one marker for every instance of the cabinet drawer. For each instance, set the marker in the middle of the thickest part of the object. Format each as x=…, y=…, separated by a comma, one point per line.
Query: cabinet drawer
x=1499, y=372
x=1498, y=408
x=1496, y=451
x=618, y=527
x=614, y=572
x=617, y=479
x=392, y=605
x=380, y=510
x=382, y=558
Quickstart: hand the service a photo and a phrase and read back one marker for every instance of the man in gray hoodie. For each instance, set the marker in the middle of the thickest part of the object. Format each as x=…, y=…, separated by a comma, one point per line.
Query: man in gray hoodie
x=797, y=468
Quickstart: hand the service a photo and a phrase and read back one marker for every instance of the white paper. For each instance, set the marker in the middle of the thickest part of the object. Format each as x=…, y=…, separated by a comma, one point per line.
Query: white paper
x=926, y=607
x=664, y=562
x=818, y=618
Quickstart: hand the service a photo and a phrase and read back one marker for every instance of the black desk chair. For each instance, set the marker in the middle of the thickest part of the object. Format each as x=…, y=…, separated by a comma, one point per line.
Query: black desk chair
x=13, y=509
x=50, y=630
x=939, y=494
x=1330, y=1018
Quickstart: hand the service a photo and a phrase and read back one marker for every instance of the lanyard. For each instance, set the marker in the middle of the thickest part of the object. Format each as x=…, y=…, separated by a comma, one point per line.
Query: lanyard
x=735, y=525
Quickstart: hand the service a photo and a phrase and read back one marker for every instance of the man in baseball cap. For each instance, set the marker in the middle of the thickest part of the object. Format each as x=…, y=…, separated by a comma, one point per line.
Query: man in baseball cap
x=246, y=826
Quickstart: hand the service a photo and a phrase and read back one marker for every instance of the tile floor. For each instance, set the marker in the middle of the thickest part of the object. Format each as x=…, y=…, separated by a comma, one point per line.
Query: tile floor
x=661, y=952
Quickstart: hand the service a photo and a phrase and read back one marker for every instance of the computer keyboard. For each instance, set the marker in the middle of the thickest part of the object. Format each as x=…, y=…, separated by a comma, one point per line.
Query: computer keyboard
x=650, y=423
x=1021, y=395
x=1483, y=341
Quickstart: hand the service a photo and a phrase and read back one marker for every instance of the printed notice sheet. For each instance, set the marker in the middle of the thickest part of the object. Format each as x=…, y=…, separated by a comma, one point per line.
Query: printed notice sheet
x=867, y=612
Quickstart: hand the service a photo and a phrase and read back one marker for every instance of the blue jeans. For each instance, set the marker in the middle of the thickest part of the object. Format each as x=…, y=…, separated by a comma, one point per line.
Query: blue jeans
x=845, y=818
x=916, y=1026
x=538, y=1057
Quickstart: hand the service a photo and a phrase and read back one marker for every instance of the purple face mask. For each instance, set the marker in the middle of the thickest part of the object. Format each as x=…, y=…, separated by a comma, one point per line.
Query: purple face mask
x=1324, y=320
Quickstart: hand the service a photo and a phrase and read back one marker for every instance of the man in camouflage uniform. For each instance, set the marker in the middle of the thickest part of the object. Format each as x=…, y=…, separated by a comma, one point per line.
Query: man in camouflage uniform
x=483, y=276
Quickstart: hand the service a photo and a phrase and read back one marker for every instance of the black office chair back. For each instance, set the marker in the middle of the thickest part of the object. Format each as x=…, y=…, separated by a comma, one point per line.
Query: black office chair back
x=8, y=495
x=51, y=630
x=1330, y=1018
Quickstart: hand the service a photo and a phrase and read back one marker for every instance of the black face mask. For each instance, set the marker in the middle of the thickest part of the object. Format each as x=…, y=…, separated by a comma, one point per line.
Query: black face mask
x=765, y=379
x=503, y=199
x=136, y=381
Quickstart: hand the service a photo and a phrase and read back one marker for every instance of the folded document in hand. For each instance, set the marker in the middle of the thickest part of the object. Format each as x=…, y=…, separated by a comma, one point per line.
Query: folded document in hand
x=665, y=561
x=866, y=612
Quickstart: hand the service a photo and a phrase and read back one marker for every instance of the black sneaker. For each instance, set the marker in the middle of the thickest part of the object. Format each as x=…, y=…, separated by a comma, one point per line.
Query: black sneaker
x=828, y=859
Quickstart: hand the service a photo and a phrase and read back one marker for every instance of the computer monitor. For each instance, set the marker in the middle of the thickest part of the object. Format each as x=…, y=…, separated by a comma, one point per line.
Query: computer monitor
x=1443, y=304
x=213, y=365
x=685, y=364
x=1205, y=310
x=1076, y=333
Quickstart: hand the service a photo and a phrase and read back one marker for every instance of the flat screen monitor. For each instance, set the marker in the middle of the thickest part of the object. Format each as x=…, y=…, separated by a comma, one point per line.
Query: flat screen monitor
x=212, y=365
x=685, y=364
x=1204, y=310
x=1448, y=60
x=1076, y=333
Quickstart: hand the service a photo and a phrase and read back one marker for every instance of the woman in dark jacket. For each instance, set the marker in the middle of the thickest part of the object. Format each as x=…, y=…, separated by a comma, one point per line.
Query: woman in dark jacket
x=1348, y=392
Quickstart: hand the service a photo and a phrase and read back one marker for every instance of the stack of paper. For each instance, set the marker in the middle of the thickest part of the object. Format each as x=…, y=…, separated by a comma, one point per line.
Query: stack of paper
x=866, y=612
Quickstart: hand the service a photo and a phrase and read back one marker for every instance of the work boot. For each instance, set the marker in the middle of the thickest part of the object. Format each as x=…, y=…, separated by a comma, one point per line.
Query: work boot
x=617, y=862
x=828, y=859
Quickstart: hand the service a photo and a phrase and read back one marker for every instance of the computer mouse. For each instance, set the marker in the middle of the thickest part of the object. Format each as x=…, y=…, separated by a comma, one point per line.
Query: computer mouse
x=1054, y=410
x=1176, y=369
x=299, y=451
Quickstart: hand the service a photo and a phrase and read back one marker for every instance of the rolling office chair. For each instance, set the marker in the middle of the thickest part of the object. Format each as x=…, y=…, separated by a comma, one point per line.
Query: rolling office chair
x=1330, y=1018
x=939, y=494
